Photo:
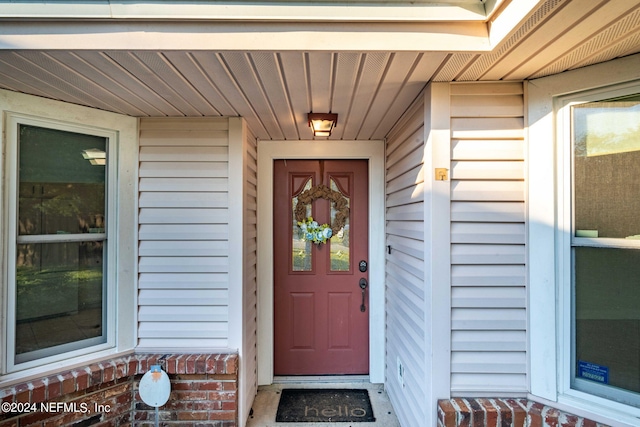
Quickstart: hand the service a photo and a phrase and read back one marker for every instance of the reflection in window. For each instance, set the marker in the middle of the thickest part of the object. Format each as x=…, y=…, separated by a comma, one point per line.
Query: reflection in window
x=606, y=173
x=59, y=294
x=302, y=256
x=61, y=191
x=607, y=318
x=606, y=296
x=59, y=280
x=340, y=254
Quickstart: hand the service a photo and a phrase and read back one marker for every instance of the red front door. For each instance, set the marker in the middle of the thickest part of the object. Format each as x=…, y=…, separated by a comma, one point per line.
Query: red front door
x=321, y=311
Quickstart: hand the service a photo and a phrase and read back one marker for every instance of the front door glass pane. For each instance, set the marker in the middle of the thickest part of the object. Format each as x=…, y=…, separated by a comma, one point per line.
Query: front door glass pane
x=301, y=253
x=340, y=253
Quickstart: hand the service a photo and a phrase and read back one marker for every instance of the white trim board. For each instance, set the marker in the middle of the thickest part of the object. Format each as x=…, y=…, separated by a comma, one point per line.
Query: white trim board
x=370, y=150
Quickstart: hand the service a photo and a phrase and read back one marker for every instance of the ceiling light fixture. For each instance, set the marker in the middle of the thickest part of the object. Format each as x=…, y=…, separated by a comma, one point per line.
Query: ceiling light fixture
x=322, y=123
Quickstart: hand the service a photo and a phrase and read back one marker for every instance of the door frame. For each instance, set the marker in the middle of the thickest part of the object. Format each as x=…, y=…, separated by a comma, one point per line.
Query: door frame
x=373, y=151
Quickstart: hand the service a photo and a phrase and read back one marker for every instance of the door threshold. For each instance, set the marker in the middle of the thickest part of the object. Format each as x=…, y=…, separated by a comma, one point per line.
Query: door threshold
x=321, y=379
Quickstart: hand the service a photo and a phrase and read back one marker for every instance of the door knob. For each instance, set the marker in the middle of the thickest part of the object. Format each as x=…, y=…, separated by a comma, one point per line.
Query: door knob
x=363, y=286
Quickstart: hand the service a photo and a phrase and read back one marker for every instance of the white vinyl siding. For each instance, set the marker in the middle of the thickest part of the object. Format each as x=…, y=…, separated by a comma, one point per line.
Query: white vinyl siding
x=183, y=234
x=488, y=235
x=405, y=276
x=248, y=369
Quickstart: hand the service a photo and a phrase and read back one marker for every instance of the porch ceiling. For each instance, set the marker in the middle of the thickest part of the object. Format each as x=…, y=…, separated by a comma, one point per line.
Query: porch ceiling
x=274, y=88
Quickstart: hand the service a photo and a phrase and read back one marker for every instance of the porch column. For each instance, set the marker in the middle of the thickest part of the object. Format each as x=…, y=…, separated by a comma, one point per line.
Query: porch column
x=437, y=233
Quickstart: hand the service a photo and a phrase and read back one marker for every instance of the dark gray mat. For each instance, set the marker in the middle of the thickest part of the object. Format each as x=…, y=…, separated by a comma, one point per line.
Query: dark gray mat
x=324, y=405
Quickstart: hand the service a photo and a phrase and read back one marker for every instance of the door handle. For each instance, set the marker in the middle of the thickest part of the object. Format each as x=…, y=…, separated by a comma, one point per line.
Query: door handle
x=363, y=287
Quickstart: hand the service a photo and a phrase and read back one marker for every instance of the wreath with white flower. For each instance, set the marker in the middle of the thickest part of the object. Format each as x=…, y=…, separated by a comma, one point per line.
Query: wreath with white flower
x=310, y=229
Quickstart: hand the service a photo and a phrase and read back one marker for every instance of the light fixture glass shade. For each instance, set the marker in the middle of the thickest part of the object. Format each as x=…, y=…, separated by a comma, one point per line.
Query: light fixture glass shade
x=322, y=123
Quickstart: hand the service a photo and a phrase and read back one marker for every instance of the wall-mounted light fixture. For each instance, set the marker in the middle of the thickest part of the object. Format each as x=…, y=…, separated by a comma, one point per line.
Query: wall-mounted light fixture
x=322, y=123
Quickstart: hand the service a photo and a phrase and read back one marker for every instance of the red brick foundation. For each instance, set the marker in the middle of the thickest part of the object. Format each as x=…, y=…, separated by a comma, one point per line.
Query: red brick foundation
x=462, y=412
x=203, y=393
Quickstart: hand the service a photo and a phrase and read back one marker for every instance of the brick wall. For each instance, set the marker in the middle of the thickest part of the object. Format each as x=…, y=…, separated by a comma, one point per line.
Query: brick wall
x=203, y=393
x=461, y=412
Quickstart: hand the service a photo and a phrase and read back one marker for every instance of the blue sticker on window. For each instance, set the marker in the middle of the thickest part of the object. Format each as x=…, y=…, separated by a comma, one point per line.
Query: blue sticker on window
x=593, y=372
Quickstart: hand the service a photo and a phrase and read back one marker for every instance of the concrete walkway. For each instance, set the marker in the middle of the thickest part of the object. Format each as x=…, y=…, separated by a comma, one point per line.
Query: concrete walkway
x=266, y=402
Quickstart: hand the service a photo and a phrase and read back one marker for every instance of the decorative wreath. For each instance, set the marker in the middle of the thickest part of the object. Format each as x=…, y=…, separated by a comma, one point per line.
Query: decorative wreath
x=323, y=192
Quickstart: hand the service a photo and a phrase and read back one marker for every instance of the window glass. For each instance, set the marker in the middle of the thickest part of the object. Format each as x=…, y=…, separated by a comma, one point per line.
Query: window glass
x=59, y=294
x=340, y=253
x=60, y=257
x=606, y=288
x=62, y=182
x=301, y=247
x=607, y=319
x=606, y=173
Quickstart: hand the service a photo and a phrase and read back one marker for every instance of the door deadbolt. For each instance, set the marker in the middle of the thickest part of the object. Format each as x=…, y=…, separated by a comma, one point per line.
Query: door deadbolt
x=362, y=266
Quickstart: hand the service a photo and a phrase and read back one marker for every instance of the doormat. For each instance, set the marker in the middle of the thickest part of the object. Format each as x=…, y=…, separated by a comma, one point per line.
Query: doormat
x=324, y=405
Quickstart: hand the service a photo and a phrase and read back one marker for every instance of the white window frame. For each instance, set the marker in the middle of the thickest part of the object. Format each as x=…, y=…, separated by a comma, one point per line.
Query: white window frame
x=566, y=240
x=550, y=227
x=120, y=250
x=14, y=121
x=566, y=229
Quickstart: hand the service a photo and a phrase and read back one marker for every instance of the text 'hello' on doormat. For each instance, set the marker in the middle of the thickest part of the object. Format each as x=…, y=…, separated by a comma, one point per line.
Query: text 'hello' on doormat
x=324, y=405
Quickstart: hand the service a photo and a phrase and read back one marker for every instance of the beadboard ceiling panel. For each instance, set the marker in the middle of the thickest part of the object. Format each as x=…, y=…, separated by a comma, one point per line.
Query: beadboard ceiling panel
x=274, y=90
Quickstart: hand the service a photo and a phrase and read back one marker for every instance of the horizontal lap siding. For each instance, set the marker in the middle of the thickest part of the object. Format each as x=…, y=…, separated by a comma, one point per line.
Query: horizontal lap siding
x=488, y=236
x=405, y=275
x=183, y=233
x=249, y=374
